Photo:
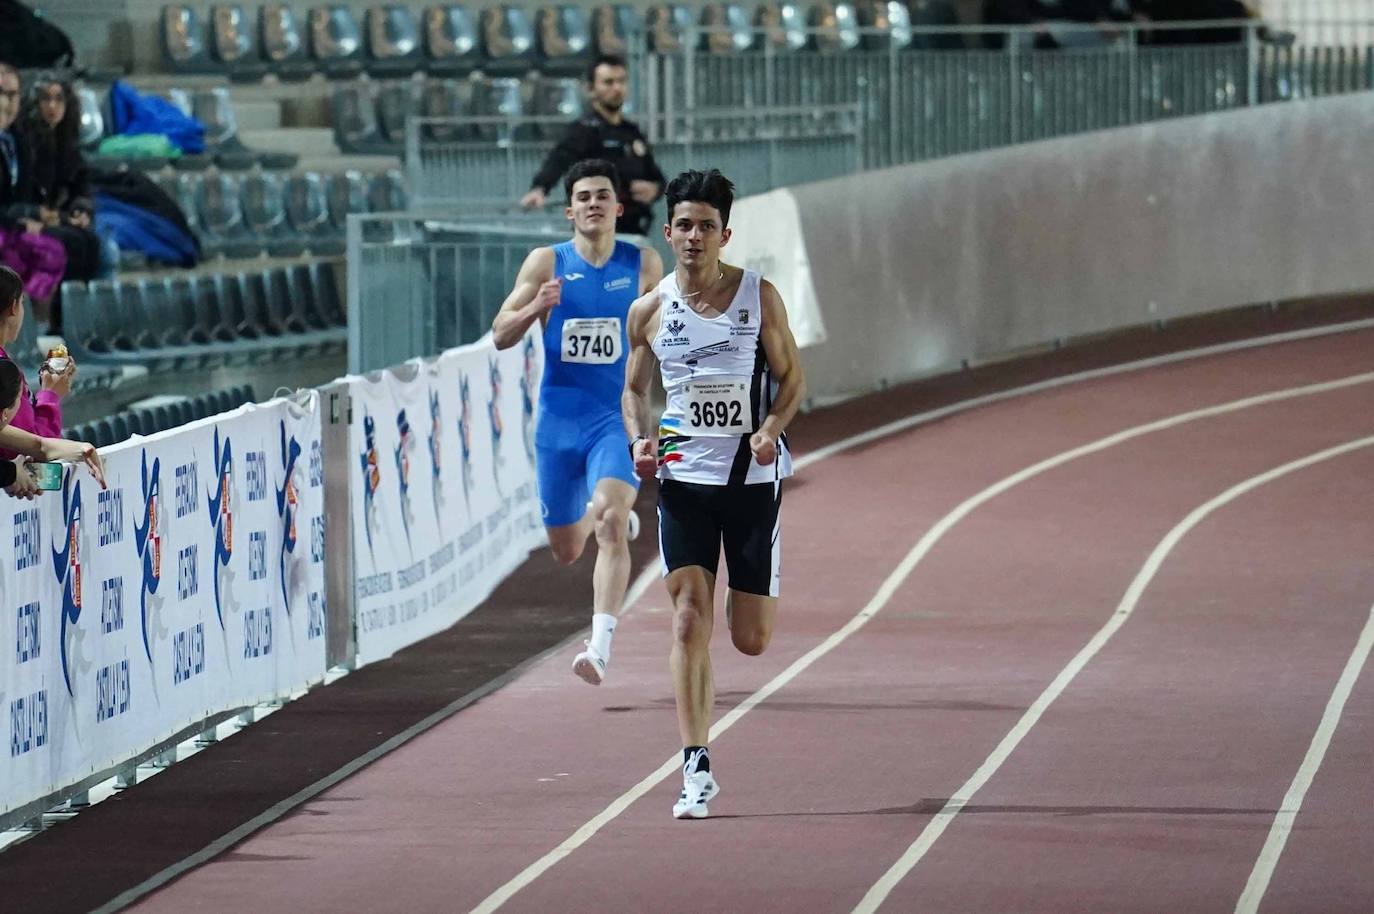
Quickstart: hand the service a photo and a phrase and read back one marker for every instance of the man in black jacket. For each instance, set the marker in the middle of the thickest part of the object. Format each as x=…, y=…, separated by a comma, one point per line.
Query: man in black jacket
x=604, y=133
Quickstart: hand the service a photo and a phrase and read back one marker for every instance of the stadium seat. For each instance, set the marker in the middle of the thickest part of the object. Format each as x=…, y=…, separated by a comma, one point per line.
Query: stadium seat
x=303, y=197
x=353, y=111
x=451, y=43
x=668, y=26
x=335, y=41
x=560, y=98
x=396, y=101
x=104, y=433
x=499, y=97
x=283, y=47
x=446, y=98
x=888, y=23
x=393, y=41
x=783, y=25
x=119, y=424
x=264, y=214
x=92, y=127
x=564, y=39
x=221, y=218
x=612, y=26
x=328, y=302
x=232, y=42
x=386, y=192
x=836, y=26
x=345, y=193
x=183, y=40
x=729, y=30
x=507, y=39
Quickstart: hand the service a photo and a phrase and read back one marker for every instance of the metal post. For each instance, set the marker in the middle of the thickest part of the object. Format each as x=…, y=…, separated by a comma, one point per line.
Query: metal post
x=414, y=171
x=1014, y=88
x=894, y=106
x=353, y=252
x=126, y=776
x=690, y=74
x=1133, y=75
x=1252, y=61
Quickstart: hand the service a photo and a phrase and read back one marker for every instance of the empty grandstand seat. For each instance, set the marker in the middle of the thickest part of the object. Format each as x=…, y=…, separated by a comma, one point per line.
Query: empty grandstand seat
x=888, y=22
x=446, y=98
x=386, y=192
x=564, y=38
x=92, y=127
x=221, y=218
x=393, y=40
x=345, y=192
x=668, y=26
x=612, y=26
x=727, y=28
x=499, y=97
x=264, y=214
x=281, y=43
x=306, y=214
x=396, y=101
x=836, y=26
x=104, y=432
x=215, y=109
x=232, y=42
x=353, y=111
x=183, y=40
x=783, y=25
x=507, y=39
x=336, y=44
x=328, y=299
x=451, y=41
x=560, y=98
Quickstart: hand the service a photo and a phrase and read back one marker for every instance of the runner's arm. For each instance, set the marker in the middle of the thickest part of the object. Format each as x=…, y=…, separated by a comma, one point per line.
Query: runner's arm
x=784, y=362
x=650, y=270
x=639, y=375
x=528, y=299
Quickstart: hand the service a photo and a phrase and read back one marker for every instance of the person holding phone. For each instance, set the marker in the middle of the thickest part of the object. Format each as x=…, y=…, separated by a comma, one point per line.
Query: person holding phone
x=40, y=413
x=15, y=478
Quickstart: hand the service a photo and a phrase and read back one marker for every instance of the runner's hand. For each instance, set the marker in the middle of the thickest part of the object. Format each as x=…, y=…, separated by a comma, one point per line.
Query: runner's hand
x=646, y=459
x=549, y=294
x=765, y=448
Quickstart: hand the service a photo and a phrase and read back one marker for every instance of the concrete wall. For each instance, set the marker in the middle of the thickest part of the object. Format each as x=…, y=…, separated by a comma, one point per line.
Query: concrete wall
x=919, y=267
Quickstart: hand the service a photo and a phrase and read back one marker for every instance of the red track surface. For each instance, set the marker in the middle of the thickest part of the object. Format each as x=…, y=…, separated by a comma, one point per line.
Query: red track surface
x=1150, y=784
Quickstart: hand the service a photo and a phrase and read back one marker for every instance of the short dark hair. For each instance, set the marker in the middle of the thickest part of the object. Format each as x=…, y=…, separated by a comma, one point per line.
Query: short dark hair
x=11, y=383
x=591, y=168
x=11, y=287
x=604, y=60
x=709, y=187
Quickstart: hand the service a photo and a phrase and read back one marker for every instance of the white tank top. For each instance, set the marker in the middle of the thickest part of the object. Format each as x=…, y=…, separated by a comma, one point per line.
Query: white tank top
x=715, y=373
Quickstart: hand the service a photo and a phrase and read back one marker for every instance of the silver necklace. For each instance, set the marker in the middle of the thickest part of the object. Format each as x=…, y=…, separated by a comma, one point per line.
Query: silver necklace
x=719, y=277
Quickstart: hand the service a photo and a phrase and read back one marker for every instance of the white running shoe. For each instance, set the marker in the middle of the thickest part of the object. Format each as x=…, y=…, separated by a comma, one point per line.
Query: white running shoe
x=697, y=790
x=590, y=666
x=633, y=531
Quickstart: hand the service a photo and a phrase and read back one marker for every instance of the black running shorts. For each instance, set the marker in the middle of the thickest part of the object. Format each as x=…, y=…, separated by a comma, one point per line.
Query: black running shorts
x=695, y=520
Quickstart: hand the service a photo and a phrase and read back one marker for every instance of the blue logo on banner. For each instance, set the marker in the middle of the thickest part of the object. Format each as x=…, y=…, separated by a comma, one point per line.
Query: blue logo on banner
x=288, y=506
x=148, y=541
x=67, y=566
x=494, y=413
x=465, y=436
x=28, y=539
x=372, y=476
x=221, y=511
x=528, y=384
x=404, y=445
x=435, y=457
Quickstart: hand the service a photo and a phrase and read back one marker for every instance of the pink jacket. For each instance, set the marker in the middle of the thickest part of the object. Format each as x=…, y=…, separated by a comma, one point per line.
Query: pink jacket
x=41, y=415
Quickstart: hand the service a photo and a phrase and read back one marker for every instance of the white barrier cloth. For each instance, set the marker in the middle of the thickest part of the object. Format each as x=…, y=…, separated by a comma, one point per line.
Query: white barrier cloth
x=193, y=584
x=444, y=497
x=767, y=237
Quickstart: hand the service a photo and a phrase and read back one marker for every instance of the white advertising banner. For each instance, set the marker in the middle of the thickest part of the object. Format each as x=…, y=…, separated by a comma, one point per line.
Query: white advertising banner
x=766, y=235
x=444, y=497
x=192, y=585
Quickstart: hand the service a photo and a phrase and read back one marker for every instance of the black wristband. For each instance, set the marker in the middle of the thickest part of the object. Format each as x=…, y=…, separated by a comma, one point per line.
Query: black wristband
x=635, y=440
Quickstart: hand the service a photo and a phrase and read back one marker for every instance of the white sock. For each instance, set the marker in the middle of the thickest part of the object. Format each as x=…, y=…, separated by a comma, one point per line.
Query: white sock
x=603, y=627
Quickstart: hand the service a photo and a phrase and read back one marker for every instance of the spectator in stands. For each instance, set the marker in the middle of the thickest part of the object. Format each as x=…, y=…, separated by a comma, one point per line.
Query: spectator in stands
x=31, y=430
x=604, y=133
x=40, y=260
x=14, y=478
x=41, y=413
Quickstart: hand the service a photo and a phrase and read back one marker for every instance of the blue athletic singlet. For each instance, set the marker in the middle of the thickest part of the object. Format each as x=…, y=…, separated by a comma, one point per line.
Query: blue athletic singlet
x=580, y=438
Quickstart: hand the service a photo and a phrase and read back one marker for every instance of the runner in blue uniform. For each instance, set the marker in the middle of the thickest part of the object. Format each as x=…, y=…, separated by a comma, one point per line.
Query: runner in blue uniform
x=581, y=291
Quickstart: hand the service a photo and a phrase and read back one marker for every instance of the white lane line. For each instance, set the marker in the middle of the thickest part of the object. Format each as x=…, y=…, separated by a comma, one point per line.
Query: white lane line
x=936, y=826
x=889, y=586
x=1258, y=883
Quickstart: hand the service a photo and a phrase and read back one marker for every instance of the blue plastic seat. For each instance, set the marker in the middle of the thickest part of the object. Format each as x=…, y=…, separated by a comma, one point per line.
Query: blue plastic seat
x=233, y=43
x=396, y=101
x=336, y=44
x=612, y=26
x=564, y=39
x=282, y=42
x=507, y=39
x=393, y=41
x=782, y=25
x=183, y=34
x=452, y=45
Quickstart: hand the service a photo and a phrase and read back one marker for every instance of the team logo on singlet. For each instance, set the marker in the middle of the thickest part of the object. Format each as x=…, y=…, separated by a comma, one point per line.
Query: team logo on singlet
x=701, y=353
x=615, y=285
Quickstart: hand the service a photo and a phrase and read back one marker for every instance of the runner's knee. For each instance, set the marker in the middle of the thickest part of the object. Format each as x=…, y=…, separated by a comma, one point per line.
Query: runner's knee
x=692, y=622
x=610, y=522
x=566, y=553
x=751, y=640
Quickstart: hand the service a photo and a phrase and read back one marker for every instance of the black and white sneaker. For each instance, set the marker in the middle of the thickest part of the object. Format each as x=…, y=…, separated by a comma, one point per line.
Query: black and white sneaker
x=697, y=790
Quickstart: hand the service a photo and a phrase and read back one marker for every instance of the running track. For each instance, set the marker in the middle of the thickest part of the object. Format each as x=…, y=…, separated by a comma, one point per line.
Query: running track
x=1065, y=651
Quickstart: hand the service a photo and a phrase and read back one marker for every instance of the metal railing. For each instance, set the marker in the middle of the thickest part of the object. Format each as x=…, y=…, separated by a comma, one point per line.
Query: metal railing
x=483, y=164
x=420, y=285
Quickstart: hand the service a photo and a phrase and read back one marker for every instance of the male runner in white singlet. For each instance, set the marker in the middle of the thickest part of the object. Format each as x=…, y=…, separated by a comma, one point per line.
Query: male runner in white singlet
x=733, y=380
